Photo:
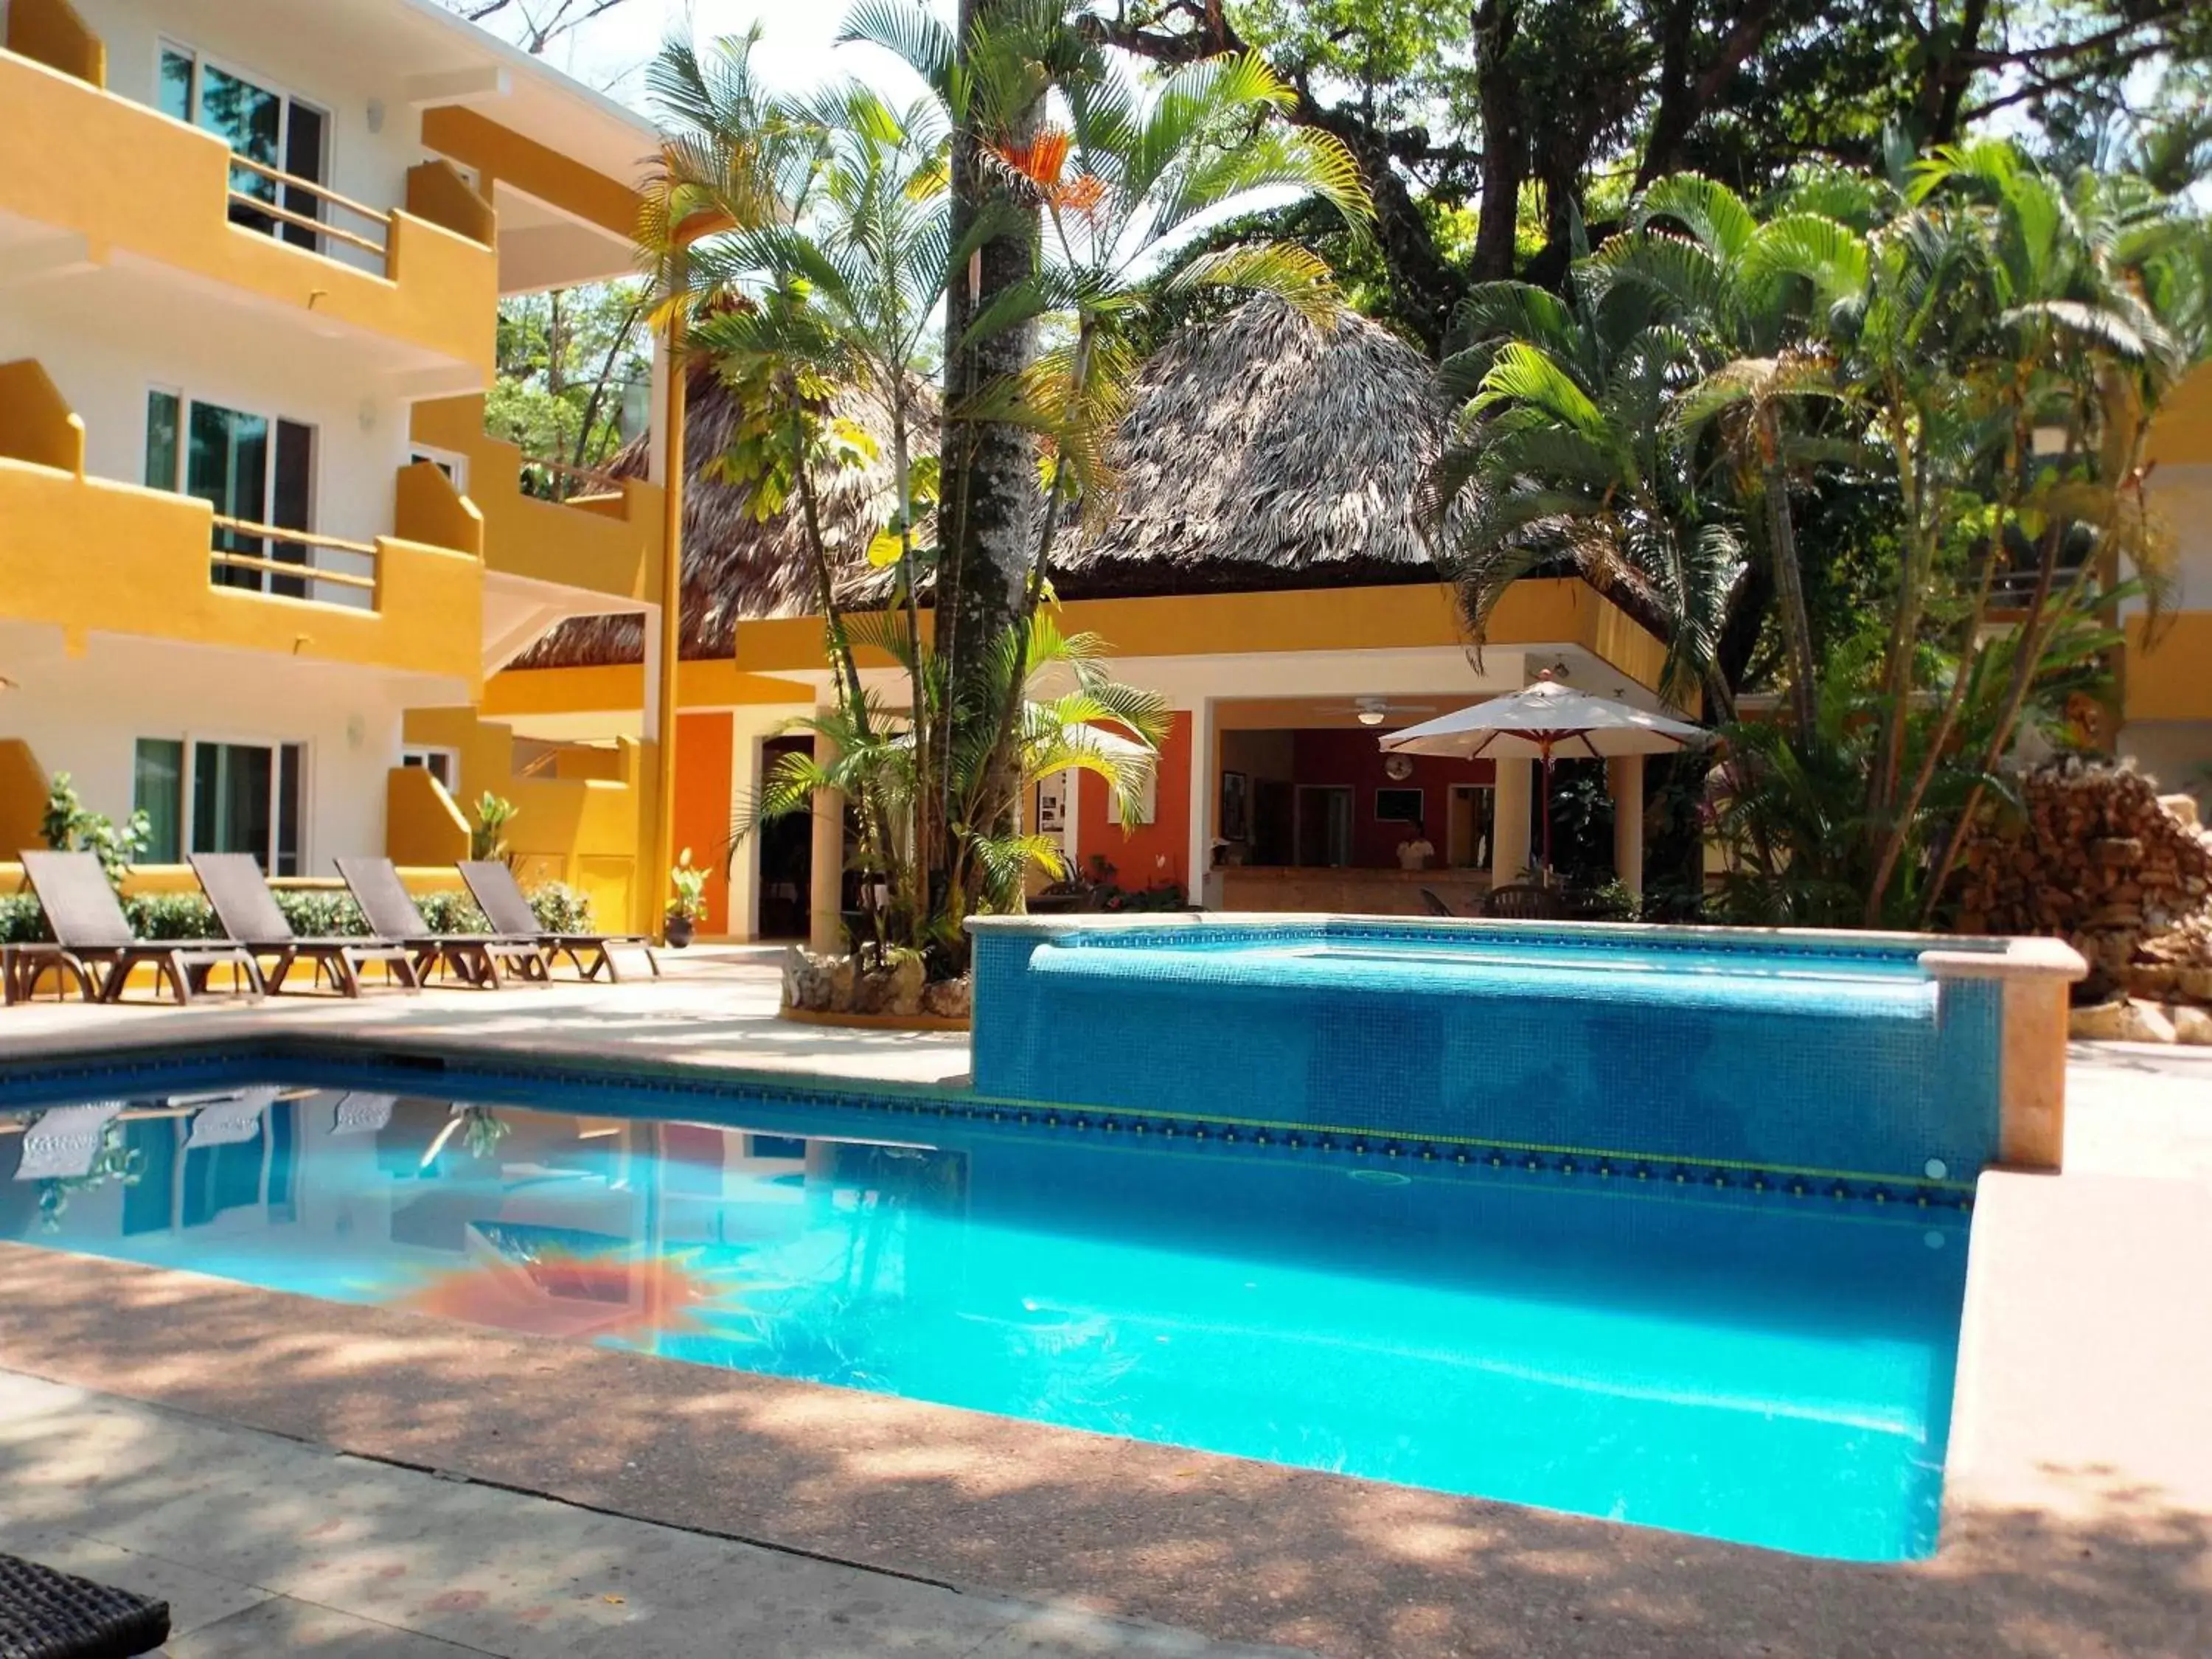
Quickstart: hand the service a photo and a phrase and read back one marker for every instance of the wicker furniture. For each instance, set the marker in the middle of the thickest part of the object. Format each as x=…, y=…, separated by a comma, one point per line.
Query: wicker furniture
x=46, y=1614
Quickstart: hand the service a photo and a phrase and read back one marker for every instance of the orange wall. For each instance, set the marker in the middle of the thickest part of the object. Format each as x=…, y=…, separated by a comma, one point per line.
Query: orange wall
x=1134, y=852
x=702, y=806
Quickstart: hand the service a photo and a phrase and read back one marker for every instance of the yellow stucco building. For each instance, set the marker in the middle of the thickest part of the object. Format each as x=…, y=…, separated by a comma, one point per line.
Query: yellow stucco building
x=257, y=560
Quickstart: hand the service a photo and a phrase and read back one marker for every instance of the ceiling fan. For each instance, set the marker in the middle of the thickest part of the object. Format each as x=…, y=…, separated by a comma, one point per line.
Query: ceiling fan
x=1376, y=711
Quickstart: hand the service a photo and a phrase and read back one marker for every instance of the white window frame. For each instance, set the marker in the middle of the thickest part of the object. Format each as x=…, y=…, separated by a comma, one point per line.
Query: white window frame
x=455, y=464
x=423, y=755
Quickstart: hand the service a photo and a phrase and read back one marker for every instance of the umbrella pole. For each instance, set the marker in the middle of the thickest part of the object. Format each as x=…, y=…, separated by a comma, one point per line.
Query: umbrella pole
x=1548, y=815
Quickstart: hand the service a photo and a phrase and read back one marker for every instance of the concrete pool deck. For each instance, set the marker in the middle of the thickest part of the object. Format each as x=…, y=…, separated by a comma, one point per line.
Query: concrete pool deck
x=2078, y=1515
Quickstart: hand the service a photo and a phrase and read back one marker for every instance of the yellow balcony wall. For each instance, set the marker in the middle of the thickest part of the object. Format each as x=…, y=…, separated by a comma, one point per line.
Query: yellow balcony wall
x=607, y=543
x=129, y=180
x=2168, y=679
x=587, y=832
x=87, y=555
x=51, y=32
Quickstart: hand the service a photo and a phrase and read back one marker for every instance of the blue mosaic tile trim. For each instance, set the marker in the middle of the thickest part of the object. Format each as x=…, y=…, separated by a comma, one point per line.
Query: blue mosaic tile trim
x=450, y=1073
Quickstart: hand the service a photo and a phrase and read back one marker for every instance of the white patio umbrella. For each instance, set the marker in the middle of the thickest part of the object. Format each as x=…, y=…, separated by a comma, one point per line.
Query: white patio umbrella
x=1531, y=724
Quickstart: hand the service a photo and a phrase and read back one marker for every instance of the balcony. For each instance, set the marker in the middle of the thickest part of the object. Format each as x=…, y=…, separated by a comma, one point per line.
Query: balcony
x=87, y=554
x=595, y=552
x=88, y=179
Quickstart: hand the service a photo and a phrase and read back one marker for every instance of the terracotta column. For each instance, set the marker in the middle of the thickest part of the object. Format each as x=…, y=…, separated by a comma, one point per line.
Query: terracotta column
x=1624, y=779
x=825, y=932
x=671, y=621
x=1508, y=832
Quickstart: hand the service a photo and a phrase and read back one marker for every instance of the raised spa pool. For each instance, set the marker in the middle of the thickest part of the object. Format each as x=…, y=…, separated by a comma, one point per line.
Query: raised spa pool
x=1740, y=1363
x=1802, y=1061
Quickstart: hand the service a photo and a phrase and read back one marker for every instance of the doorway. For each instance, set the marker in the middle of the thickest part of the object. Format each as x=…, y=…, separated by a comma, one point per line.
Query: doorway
x=1467, y=830
x=786, y=854
x=1324, y=826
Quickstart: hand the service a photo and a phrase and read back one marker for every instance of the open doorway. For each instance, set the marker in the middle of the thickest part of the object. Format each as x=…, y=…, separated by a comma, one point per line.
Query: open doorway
x=1467, y=833
x=786, y=850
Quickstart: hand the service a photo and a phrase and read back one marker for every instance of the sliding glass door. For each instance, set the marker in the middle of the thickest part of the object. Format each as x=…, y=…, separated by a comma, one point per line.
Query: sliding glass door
x=247, y=467
x=232, y=798
x=260, y=124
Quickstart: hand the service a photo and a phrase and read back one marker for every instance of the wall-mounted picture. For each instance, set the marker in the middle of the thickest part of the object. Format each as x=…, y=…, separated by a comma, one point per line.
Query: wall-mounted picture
x=1236, y=806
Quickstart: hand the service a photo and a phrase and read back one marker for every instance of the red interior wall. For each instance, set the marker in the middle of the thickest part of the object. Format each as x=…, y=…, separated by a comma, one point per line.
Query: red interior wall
x=1355, y=758
x=1135, y=853
x=702, y=806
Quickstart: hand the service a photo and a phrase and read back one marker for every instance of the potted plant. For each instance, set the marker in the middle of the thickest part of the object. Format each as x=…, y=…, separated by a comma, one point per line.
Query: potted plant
x=690, y=884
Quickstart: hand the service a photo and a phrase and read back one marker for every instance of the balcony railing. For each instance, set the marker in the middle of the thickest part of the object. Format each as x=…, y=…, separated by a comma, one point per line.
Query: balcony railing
x=301, y=573
x=377, y=243
x=563, y=480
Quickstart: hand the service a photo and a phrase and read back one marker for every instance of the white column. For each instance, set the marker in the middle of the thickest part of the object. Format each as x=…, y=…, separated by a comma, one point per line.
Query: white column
x=1624, y=781
x=1508, y=832
x=825, y=898
x=1203, y=888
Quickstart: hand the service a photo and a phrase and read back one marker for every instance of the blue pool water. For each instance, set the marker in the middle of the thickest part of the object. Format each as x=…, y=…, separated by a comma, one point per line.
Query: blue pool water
x=1757, y=1370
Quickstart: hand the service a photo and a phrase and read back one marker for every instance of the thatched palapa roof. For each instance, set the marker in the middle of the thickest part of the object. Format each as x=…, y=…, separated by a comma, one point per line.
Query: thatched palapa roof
x=736, y=566
x=1258, y=451
x=1264, y=452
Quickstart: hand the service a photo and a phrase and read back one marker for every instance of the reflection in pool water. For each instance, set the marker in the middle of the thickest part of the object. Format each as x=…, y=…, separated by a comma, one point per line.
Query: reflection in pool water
x=1779, y=1375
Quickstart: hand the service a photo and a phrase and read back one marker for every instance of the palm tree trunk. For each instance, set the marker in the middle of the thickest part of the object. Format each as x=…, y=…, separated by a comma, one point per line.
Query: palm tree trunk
x=989, y=466
x=1789, y=577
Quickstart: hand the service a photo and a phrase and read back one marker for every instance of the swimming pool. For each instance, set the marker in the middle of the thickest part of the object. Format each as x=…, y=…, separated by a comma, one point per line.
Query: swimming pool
x=1726, y=1363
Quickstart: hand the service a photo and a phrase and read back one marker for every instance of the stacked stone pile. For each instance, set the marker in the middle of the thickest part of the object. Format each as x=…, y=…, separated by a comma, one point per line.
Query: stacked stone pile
x=846, y=985
x=2100, y=858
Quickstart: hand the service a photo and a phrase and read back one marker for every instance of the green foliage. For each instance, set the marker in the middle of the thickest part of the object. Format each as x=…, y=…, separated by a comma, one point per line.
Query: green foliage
x=689, y=882
x=21, y=921
x=171, y=916
x=451, y=910
x=561, y=909
x=321, y=913
x=575, y=372
x=67, y=827
x=1956, y=364
x=488, y=835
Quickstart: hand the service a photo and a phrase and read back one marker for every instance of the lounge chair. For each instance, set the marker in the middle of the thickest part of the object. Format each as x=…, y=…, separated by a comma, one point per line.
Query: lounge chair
x=248, y=912
x=1435, y=906
x=1524, y=902
x=91, y=931
x=500, y=897
x=46, y=1614
x=478, y=958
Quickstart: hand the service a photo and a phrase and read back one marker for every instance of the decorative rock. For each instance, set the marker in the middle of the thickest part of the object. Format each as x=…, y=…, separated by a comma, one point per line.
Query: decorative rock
x=2125, y=1021
x=948, y=998
x=2190, y=1025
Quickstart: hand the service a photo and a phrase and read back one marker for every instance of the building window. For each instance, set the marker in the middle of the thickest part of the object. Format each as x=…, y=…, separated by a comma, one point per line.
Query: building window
x=259, y=124
x=234, y=798
x=455, y=467
x=443, y=765
x=256, y=468
x=157, y=789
